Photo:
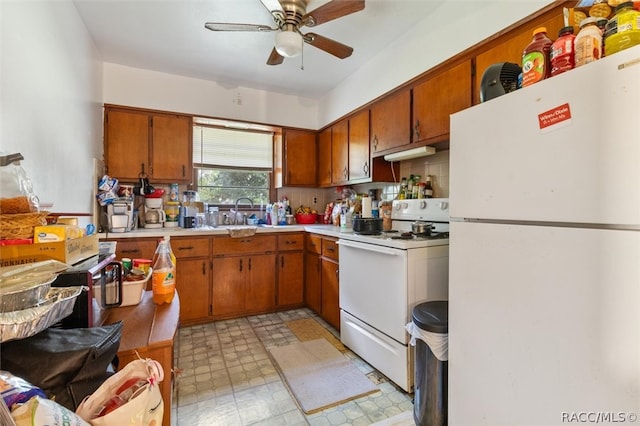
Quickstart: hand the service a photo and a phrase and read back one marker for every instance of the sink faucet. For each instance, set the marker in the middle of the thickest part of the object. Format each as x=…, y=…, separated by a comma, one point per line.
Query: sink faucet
x=236, y=209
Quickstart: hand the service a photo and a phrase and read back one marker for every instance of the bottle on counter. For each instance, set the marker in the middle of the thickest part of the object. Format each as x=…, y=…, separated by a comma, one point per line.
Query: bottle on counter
x=536, y=64
x=163, y=278
x=562, y=52
x=428, y=188
x=588, y=42
x=623, y=29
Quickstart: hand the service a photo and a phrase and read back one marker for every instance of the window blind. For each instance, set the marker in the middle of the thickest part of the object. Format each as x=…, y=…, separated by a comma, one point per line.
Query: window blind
x=216, y=147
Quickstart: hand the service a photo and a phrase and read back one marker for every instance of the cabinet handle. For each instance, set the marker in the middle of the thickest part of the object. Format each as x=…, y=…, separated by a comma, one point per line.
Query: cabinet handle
x=375, y=142
x=365, y=168
x=282, y=261
x=246, y=241
x=240, y=265
x=416, y=130
x=338, y=273
x=319, y=265
x=331, y=249
x=249, y=263
x=204, y=268
x=345, y=173
x=130, y=251
x=184, y=171
x=185, y=248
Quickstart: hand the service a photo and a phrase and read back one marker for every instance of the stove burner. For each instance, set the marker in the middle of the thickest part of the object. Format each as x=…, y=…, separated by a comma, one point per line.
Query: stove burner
x=413, y=236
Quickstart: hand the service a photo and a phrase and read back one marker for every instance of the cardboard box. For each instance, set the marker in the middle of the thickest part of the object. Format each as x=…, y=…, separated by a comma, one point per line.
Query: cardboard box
x=68, y=251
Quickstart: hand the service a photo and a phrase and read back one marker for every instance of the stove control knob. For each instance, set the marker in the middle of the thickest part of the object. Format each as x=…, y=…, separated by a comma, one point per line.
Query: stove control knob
x=444, y=205
x=423, y=205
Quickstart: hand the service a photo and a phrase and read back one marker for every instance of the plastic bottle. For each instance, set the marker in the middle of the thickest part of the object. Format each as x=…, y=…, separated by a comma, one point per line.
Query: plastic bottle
x=536, y=64
x=163, y=279
x=562, y=53
x=623, y=29
x=588, y=42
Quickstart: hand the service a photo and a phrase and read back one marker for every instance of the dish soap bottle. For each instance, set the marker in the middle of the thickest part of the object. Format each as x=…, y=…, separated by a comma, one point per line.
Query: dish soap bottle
x=536, y=58
x=163, y=278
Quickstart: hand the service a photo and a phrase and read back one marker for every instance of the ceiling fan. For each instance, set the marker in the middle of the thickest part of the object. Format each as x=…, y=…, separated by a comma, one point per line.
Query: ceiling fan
x=289, y=17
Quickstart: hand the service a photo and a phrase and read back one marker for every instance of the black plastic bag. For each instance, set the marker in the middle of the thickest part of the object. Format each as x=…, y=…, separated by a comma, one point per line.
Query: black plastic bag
x=67, y=364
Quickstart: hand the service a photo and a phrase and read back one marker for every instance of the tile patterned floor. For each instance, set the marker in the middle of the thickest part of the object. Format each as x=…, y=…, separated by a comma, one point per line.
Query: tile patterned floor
x=227, y=378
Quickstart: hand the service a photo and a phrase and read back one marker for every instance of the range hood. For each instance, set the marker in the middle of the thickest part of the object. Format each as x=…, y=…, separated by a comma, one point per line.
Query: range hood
x=422, y=151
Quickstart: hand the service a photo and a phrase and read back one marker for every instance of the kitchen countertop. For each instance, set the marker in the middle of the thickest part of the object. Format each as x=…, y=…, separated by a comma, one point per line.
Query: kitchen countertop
x=328, y=230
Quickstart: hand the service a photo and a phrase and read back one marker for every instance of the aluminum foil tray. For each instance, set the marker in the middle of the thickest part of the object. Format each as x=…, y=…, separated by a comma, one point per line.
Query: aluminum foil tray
x=57, y=305
x=29, y=294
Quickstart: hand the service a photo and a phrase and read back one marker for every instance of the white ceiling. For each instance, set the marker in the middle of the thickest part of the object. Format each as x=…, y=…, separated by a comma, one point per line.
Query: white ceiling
x=169, y=36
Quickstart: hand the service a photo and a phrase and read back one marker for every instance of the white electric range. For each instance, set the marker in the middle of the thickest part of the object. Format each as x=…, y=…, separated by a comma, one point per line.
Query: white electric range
x=382, y=277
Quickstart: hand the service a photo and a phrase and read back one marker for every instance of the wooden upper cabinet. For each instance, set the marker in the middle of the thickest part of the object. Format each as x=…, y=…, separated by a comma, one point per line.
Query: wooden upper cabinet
x=509, y=46
x=137, y=141
x=340, y=152
x=438, y=97
x=127, y=143
x=324, y=157
x=172, y=148
x=359, y=154
x=391, y=121
x=299, y=157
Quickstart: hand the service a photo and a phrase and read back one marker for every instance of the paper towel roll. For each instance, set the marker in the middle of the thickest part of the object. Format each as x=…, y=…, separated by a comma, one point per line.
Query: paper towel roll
x=366, y=207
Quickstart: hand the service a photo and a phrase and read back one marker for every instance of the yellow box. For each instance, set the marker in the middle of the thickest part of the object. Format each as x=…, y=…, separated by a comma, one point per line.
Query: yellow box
x=68, y=251
x=53, y=233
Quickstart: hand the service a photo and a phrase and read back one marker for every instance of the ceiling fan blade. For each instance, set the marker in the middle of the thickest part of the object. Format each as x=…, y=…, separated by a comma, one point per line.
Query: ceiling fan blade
x=275, y=58
x=332, y=10
x=272, y=6
x=223, y=26
x=330, y=46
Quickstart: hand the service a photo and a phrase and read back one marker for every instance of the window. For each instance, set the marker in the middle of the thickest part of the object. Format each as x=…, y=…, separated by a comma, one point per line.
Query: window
x=231, y=163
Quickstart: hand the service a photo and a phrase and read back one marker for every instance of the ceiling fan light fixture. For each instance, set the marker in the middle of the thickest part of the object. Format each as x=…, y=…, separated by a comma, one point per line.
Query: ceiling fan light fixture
x=288, y=43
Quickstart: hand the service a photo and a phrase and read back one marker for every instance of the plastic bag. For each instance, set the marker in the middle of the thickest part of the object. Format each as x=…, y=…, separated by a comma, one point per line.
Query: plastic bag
x=129, y=397
x=41, y=411
x=16, y=390
x=17, y=190
x=437, y=342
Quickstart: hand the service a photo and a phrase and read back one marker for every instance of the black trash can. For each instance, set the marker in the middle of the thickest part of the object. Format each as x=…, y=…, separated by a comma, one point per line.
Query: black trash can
x=430, y=379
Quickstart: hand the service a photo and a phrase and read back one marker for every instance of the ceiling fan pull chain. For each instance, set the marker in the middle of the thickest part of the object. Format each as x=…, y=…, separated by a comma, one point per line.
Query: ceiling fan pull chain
x=301, y=54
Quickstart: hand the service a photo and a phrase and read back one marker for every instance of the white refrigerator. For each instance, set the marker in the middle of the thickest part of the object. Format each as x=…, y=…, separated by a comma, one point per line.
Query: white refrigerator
x=544, y=290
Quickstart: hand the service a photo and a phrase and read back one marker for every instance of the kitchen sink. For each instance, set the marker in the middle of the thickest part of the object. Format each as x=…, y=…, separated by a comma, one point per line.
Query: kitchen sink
x=241, y=231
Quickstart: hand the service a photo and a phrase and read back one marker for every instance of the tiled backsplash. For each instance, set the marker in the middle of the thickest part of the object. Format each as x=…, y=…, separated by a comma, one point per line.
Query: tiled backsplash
x=437, y=166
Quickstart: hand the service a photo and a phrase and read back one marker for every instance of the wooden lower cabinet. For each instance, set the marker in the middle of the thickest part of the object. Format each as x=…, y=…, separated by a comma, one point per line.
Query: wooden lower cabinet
x=321, y=278
x=290, y=266
x=193, y=277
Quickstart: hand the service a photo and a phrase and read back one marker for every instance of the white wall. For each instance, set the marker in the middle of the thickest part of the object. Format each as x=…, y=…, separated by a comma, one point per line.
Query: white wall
x=50, y=99
x=150, y=89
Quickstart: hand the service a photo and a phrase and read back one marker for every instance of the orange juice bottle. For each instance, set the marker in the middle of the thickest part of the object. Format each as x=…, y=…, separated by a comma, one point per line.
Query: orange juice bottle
x=163, y=278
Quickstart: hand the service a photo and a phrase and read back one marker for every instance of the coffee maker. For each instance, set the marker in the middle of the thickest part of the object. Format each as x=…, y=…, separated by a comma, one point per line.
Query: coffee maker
x=154, y=216
x=120, y=215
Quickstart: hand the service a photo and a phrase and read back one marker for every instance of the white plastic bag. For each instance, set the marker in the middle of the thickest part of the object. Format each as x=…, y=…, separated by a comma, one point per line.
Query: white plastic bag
x=437, y=342
x=144, y=408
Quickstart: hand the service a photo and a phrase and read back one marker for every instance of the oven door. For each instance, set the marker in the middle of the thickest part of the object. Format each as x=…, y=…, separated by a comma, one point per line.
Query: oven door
x=373, y=286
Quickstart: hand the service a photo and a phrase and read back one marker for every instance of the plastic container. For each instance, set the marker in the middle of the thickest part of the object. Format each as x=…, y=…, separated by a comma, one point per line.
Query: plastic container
x=562, y=52
x=536, y=63
x=588, y=42
x=623, y=29
x=163, y=279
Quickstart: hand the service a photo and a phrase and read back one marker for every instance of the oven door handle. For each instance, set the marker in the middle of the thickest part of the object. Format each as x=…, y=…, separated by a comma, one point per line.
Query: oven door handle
x=368, y=247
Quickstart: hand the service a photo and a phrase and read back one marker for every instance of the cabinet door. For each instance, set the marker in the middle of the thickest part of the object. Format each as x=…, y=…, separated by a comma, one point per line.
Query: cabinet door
x=126, y=143
x=437, y=98
x=135, y=248
x=228, y=285
x=324, y=157
x=340, y=152
x=312, y=280
x=290, y=278
x=330, y=293
x=172, y=147
x=299, y=157
x=513, y=43
x=192, y=283
x=391, y=122
x=359, y=162
x=260, y=288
